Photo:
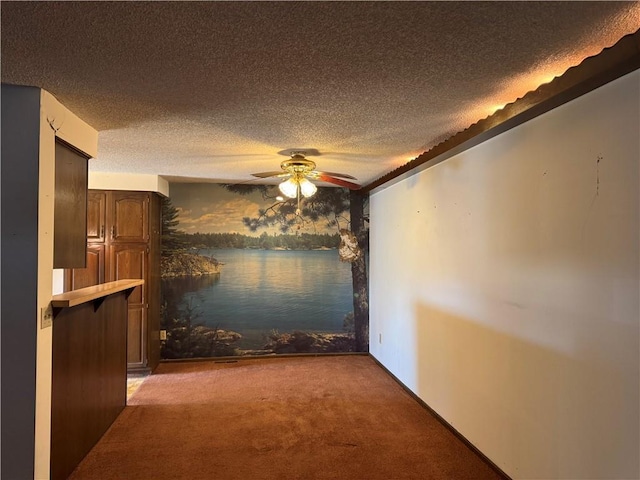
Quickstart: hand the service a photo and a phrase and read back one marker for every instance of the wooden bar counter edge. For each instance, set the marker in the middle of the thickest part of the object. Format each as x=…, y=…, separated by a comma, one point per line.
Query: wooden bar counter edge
x=87, y=294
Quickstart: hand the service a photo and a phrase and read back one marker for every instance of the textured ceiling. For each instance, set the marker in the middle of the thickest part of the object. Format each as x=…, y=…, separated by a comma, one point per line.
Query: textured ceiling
x=216, y=89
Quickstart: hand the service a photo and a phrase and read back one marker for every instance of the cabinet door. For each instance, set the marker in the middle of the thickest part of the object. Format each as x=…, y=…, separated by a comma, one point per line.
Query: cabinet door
x=131, y=261
x=136, y=337
x=96, y=216
x=70, y=207
x=86, y=277
x=129, y=217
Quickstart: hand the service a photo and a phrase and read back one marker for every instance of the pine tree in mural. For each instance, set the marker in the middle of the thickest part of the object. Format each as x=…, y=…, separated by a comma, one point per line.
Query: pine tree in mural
x=330, y=205
x=186, y=336
x=172, y=238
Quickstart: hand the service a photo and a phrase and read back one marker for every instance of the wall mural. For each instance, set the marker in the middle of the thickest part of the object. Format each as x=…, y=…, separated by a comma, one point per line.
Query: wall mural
x=245, y=273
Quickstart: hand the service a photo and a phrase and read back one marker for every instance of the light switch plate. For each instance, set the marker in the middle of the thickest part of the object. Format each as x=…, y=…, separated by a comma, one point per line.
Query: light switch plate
x=46, y=317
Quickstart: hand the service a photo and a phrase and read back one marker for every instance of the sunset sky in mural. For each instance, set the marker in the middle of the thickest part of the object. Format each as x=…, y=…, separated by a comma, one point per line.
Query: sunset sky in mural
x=210, y=208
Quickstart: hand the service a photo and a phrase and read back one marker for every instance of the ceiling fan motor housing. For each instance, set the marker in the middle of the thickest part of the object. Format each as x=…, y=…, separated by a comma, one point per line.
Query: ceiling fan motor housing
x=298, y=165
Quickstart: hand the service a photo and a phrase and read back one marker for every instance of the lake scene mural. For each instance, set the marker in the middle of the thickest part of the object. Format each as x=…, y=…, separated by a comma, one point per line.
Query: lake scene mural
x=245, y=272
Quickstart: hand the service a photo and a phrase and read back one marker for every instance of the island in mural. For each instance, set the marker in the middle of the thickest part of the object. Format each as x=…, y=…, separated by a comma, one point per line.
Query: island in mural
x=245, y=272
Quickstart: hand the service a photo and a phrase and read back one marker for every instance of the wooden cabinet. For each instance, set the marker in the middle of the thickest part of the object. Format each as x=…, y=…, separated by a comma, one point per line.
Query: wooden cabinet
x=130, y=217
x=93, y=274
x=123, y=241
x=96, y=216
x=131, y=261
x=70, y=204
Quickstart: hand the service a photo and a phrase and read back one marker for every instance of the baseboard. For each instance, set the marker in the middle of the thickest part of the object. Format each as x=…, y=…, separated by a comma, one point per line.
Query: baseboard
x=138, y=371
x=238, y=358
x=446, y=424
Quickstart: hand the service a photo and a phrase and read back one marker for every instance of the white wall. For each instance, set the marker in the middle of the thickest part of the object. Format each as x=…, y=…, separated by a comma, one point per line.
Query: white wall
x=505, y=288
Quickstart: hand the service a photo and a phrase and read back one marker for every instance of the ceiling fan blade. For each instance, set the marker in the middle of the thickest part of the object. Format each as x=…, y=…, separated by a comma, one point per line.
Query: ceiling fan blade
x=269, y=174
x=338, y=181
x=339, y=175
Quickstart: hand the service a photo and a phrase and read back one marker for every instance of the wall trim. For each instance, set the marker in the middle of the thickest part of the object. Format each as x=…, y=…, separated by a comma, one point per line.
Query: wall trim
x=237, y=358
x=446, y=424
x=593, y=72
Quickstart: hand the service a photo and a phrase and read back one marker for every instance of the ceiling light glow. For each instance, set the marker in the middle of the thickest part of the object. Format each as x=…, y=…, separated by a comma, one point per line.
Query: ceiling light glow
x=289, y=188
x=307, y=188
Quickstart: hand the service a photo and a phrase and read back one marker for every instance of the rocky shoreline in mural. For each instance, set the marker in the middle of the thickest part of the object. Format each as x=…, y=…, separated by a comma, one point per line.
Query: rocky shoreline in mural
x=199, y=341
x=188, y=264
x=308, y=342
x=186, y=341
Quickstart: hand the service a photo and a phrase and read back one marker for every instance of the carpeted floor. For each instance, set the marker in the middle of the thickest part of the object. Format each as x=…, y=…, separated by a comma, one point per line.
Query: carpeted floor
x=133, y=384
x=331, y=417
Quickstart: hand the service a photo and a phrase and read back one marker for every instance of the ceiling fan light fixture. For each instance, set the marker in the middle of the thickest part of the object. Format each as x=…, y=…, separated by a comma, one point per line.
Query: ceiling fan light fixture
x=297, y=169
x=307, y=188
x=289, y=188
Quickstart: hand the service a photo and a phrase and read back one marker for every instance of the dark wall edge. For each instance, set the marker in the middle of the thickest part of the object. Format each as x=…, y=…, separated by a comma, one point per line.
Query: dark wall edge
x=19, y=278
x=593, y=72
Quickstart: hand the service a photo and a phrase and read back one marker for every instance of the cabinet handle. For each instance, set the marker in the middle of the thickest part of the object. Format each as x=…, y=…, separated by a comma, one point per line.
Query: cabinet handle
x=113, y=231
x=101, y=231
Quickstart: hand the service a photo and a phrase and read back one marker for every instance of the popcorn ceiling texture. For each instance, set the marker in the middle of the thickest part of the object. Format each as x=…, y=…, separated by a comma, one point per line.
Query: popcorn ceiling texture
x=214, y=90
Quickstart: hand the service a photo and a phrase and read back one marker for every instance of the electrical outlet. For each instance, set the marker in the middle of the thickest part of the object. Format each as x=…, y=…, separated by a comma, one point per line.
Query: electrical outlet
x=163, y=334
x=46, y=317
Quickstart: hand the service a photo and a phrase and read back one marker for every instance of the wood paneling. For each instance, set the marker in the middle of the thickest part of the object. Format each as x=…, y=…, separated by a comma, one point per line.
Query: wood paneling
x=89, y=373
x=70, y=208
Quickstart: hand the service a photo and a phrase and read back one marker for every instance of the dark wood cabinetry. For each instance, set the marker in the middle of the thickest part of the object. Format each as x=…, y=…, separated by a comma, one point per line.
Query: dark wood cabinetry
x=88, y=370
x=132, y=261
x=93, y=274
x=123, y=241
x=130, y=217
x=70, y=205
x=96, y=216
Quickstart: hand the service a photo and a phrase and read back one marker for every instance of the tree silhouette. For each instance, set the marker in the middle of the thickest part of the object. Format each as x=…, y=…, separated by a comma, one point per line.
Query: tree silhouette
x=172, y=239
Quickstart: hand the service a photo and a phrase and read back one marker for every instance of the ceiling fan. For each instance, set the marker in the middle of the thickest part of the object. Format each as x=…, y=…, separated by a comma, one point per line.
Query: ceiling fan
x=298, y=170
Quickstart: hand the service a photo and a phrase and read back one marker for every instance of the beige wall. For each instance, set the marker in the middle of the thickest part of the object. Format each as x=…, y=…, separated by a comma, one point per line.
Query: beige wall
x=505, y=289
x=128, y=181
x=55, y=121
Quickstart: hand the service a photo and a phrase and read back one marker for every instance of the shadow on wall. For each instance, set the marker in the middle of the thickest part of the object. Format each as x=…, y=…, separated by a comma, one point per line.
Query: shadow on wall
x=534, y=411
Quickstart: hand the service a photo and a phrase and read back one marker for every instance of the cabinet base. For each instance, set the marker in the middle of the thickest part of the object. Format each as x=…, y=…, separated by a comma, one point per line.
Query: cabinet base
x=138, y=370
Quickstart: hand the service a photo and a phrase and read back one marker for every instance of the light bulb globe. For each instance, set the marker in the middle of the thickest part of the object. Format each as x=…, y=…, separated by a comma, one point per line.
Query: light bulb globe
x=307, y=188
x=289, y=188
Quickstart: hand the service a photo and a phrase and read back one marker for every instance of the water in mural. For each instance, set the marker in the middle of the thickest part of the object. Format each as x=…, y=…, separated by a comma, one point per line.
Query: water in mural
x=259, y=290
x=242, y=274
